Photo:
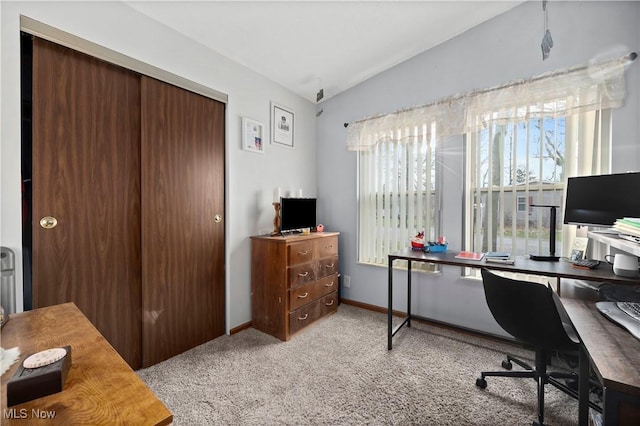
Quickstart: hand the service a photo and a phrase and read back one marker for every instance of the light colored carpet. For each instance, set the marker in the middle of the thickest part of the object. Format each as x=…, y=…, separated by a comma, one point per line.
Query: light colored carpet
x=340, y=372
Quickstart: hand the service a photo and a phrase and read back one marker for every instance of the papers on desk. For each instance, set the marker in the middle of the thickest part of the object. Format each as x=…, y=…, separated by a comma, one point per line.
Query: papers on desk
x=469, y=255
x=491, y=256
x=497, y=254
x=499, y=257
x=503, y=260
x=628, y=226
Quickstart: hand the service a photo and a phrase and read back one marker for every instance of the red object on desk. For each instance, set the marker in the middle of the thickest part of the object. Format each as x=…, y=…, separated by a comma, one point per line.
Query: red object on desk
x=470, y=255
x=417, y=245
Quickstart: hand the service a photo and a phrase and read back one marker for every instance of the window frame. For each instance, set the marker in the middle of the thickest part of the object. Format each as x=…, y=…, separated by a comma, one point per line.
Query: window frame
x=521, y=203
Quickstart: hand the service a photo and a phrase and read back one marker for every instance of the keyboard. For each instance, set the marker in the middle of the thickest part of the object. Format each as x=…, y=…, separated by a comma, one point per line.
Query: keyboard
x=615, y=313
x=586, y=263
x=630, y=308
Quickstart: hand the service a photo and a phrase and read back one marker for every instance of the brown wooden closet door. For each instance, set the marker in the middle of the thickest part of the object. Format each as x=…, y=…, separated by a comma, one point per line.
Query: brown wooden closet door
x=182, y=192
x=86, y=174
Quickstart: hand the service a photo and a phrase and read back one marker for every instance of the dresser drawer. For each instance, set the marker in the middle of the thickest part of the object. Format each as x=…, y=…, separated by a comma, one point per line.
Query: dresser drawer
x=294, y=281
x=326, y=247
x=307, y=314
x=310, y=292
x=327, y=266
x=300, y=252
x=302, y=274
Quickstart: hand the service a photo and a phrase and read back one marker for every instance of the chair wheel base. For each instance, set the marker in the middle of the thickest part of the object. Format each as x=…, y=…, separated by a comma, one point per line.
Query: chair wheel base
x=481, y=383
x=506, y=364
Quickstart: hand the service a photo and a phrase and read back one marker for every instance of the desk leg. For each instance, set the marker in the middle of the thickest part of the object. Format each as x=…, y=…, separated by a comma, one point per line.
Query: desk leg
x=390, y=310
x=408, y=293
x=558, y=286
x=583, y=387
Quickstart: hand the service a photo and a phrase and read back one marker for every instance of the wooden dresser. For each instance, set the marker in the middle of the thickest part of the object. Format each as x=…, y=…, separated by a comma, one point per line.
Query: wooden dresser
x=294, y=281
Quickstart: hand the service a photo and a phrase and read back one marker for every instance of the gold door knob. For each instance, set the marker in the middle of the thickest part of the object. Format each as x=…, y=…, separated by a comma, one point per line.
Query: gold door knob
x=48, y=222
x=217, y=218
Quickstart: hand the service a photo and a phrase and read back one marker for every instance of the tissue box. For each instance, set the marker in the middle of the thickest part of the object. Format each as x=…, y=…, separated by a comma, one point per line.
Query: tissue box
x=31, y=383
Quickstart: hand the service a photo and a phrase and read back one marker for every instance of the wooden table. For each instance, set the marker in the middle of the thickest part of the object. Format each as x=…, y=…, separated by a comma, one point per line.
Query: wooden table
x=614, y=355
x=100, y=388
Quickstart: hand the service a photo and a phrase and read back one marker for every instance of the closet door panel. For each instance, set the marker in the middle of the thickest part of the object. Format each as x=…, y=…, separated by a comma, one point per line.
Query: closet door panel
x=86, y=174
x=183, y=244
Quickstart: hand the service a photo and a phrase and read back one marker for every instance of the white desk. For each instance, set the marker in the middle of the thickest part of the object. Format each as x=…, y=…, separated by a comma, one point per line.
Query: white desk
x=616, y=242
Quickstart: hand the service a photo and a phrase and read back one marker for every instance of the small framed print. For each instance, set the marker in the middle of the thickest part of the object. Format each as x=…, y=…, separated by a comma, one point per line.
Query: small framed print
x=579, y=248
x=252, y=135
x=282, y=124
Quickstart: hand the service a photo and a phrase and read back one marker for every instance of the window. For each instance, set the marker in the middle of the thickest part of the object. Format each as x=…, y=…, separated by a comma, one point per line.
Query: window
x=522, y=204
x=523, y=140
x=397, y=194
x=523, y=161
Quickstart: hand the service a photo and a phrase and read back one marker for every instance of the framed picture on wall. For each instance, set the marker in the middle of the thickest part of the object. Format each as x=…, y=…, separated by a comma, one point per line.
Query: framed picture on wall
x=282, y=123
x=252, y=135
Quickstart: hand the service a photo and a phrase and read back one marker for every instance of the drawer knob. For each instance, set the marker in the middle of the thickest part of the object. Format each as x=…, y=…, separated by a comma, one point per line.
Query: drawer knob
x=304, y=317
x=304, y=274
x=303, y=253
x=302, y=296
x=329, y=304
x=329, y=284
x=329, y=266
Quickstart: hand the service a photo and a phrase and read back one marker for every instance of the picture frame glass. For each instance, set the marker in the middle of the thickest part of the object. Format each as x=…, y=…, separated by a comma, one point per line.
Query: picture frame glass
x=282, y=126
x=252, y=135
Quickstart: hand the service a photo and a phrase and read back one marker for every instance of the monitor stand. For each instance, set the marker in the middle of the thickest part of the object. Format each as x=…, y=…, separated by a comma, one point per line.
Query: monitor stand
x=552, y=238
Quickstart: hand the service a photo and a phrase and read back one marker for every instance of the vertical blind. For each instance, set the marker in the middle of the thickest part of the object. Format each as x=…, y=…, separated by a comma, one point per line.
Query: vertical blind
x=397, y=192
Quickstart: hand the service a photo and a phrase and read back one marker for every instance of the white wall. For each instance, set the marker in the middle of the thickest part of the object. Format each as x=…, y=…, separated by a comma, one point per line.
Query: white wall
x=250, y=177
x=504, y=49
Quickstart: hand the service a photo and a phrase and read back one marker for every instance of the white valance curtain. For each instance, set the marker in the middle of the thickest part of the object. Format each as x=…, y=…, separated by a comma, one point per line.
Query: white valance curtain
x=565, y=92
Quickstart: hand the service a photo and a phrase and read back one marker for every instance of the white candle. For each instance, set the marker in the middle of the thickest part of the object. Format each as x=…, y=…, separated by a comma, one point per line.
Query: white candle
x=276, y=195
x=300, y=193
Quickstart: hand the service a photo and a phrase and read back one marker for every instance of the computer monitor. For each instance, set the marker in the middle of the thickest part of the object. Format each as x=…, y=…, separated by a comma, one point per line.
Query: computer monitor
x=297, y=213
x=600, y=200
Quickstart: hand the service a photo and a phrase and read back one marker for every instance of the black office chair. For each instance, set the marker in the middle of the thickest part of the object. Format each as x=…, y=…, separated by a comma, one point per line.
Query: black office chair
x=529, y=313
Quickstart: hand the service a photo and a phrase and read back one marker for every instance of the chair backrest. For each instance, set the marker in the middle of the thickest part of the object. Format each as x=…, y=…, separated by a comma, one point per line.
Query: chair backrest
x=527, y=311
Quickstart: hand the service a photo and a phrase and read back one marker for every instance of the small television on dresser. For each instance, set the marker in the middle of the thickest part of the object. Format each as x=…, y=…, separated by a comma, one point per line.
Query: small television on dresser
x=600, y=200
x=297, y=213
